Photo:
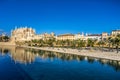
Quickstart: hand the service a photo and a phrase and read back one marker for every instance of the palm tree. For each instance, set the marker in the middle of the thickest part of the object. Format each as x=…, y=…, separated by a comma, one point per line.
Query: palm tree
x=41, y=42
x=110, y=41
x=68, y=42
x=81, y=43
x=0, y=38
x=117, y=42
x=73, y=45
x=35, y=42
x=62, y=42
x=6, y=38
x=58, y=43
x=90, y=42
x=50, y=42
x=101, y=43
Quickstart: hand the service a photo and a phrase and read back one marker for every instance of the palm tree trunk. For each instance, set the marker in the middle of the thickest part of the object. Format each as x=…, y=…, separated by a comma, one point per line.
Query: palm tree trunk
x=109, y=46
x=117, y=48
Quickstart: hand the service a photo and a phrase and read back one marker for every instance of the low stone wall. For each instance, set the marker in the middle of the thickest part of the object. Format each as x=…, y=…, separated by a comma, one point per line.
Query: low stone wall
x=7, y=43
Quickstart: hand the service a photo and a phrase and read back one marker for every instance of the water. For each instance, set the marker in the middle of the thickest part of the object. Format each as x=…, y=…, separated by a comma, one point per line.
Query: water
x=31, y=64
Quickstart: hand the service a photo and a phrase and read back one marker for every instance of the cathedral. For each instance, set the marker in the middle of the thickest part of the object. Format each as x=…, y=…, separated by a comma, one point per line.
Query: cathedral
x=22, y=34
x=28, y=34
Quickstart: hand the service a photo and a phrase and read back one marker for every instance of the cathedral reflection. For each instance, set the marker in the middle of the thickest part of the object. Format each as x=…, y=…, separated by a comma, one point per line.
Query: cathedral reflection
x=18, y=54
x=25, y=55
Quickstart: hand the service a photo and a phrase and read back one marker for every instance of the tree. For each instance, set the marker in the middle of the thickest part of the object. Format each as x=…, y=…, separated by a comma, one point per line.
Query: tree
x=41, y=42
x=81, y=43
x=50, y=42
x=68, y=42
x=58, y=43
x=62, y=42
x=35, y=42
x=109, y=41
x=101, y=43
x=117, y=42
x=90, y=43
x=6, y=38
x=73, y=45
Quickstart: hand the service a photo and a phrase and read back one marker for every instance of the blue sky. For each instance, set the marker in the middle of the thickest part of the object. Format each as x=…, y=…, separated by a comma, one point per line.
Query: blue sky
x=61, y=16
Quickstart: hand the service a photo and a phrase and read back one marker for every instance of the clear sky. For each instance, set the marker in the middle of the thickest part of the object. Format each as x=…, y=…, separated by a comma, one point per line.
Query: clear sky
x=61, y=16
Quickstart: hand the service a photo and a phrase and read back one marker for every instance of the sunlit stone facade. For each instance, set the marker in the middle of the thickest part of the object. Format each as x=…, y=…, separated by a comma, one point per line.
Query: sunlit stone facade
x=47, y=36
x=27, y=34
x=79, y=36
x=115, y=32
x=66, y=37
x=22, y=34
x=93, y=37
x=105, y=36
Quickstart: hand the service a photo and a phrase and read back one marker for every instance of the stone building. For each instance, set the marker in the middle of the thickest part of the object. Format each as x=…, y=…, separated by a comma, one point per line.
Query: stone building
x=47, y=36
x=27, y=34
x=66, y=37
x=97, y=37
x=79, y=36
x=115, y=32
x=104, y=36
x=22, y=34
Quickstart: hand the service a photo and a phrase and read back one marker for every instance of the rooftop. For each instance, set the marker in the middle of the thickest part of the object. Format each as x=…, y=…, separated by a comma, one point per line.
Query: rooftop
x=116, y=30
x=66, y=34
x=94, y=34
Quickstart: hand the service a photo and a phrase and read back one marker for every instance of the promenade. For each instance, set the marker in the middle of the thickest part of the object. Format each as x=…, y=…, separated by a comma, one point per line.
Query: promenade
x=7, y=43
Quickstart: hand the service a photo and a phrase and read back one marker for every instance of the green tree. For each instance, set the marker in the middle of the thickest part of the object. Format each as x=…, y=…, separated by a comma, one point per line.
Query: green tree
x=81, y=43
x=117, y=42
x=6, y=38
x=58, y=43
x=68, y=43
x=35, y=42
x=109, y=41
x=90, y=43
x=50, y=42
x=62, y=42
x=41, y=43
x=73, y=44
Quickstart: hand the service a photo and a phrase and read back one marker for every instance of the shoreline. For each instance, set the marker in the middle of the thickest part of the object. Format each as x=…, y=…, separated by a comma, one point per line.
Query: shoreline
x=89, y=53
x=7, y=44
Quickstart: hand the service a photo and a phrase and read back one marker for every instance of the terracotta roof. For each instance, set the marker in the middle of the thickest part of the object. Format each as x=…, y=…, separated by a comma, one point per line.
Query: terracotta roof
x=94, y=34
x=115, y=30
x=66, y=35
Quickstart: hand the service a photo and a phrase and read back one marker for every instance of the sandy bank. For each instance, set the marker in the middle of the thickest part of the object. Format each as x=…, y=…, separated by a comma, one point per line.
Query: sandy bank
x=6, y=43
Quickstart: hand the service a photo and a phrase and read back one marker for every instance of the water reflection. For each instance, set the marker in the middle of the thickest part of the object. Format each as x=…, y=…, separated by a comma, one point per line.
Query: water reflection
x=25, y=55
x=18, y=54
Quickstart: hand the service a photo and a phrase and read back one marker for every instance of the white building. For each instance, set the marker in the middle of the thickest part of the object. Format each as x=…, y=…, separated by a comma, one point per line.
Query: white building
x=79, y=36
x=115, y=32
x=93, y=37
x=38, y=36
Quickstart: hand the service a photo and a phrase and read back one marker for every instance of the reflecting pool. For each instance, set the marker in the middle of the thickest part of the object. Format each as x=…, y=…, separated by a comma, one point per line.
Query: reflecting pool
x=29, y=64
